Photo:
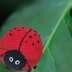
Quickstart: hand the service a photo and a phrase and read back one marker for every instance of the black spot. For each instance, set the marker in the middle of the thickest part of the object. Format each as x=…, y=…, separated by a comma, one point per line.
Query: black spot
x=26, y=41
x=1, y=55
x=18, y=30
x=33, y=44
x=38, y=42
x=39, y=35
x=22, y=27
x=14, y=28
x=35, y=67
x=10, y=30
x=30, y=36
x=34, y=31
x=10, y=34
x=34, y=34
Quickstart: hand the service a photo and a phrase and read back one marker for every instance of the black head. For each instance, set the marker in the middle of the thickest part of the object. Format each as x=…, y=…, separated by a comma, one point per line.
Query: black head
x=14, y=60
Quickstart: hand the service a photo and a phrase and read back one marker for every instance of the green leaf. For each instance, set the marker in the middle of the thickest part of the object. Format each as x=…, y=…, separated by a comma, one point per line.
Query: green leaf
x=3, y=68
x=68, y=21
x=57, y=55
x=48, y=19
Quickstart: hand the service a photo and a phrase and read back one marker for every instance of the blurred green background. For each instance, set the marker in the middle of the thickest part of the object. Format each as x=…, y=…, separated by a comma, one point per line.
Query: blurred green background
x=52, y=19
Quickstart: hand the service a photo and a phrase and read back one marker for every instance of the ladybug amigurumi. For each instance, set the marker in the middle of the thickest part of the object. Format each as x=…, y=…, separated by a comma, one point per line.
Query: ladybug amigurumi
x=21, y=49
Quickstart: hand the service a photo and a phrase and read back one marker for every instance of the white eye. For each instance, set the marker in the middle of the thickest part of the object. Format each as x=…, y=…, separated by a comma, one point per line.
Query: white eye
x=11, y=59
x=17, y=62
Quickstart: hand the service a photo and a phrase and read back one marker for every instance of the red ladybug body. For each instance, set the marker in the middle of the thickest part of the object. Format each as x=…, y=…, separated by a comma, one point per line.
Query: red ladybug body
x=21, y=48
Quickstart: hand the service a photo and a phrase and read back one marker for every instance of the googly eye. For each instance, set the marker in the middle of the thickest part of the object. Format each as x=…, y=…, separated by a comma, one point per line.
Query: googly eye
x=11, y=59
x=17, y=62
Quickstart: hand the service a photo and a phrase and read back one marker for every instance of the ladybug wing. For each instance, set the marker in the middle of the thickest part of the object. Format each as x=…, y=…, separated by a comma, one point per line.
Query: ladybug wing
x=2, y=50
x=11, y=39
x=32, y=49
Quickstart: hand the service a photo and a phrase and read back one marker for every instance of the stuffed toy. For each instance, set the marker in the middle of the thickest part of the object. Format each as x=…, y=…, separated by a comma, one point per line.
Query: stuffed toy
x=21, y=49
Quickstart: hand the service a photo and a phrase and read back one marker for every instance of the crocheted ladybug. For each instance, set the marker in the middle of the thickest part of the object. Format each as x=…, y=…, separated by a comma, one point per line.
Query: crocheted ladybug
x=21, y=48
